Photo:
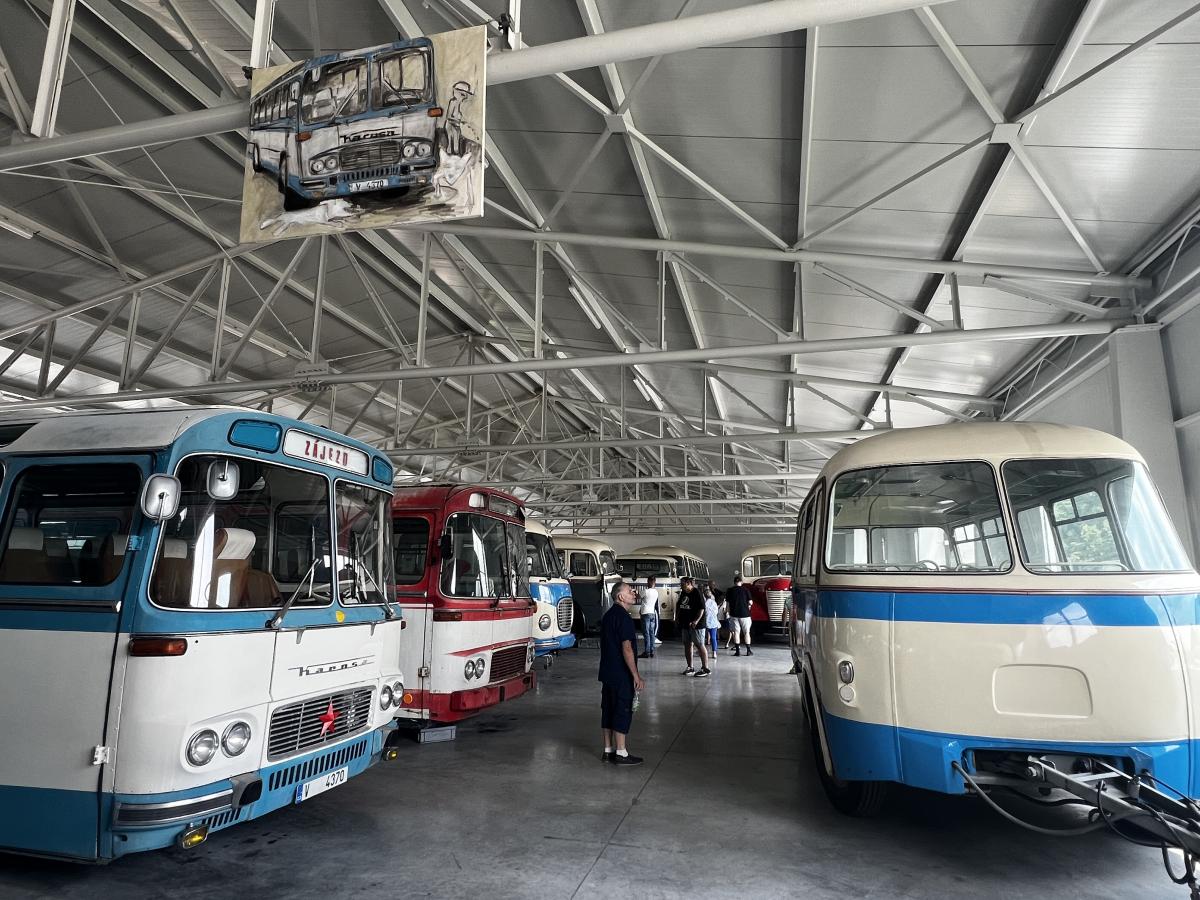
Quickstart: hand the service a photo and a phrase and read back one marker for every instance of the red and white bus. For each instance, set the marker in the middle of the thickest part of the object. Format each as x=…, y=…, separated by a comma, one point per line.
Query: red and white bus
x=462, y=580
x=767, y=571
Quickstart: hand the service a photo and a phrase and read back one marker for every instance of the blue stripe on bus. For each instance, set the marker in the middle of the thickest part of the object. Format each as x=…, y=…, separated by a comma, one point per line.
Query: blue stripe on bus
x=1013, y=609
x=152, y=620
x=16, y=619
x=867, y=751
x=542, y=646
x=49, y=821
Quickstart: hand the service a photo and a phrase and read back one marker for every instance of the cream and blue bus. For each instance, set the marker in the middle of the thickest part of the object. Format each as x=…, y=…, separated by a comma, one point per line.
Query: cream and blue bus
x=348, y=124
x=548, y=583
x=196, y=624
x=994, y=604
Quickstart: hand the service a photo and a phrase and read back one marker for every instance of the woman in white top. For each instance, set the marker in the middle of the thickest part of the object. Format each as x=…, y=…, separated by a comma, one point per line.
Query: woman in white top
x=649, y=618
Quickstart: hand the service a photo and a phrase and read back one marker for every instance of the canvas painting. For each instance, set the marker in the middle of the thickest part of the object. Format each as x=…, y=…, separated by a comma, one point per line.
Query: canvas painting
x=374, y=138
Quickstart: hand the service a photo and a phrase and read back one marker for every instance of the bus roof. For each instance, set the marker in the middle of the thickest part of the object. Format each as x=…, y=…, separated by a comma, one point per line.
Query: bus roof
x=988, y=441
x=437, y=495
x=666, y=550
x=113, y=430
x=575, y=542
x=769, y=550
x=536, y=526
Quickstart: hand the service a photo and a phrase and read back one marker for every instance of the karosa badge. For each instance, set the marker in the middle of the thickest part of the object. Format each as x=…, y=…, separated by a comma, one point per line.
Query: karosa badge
x=339, y=665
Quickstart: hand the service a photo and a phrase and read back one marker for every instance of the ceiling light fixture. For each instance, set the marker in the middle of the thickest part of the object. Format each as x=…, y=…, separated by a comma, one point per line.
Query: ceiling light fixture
x=16, y=229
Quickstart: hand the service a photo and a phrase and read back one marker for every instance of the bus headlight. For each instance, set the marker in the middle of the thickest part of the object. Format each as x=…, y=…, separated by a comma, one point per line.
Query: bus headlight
x=317, y=166
x=330, y=163
x=397, y=691
x=544, y=623
x=469, y=669
x=235, y=739
x=202, y=747
x=424, y=149
x=409, y=150
x=385, y=697
x=480, y=665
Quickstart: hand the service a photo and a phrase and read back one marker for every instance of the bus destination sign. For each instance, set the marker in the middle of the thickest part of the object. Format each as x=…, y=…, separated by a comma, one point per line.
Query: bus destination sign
x=330, y=453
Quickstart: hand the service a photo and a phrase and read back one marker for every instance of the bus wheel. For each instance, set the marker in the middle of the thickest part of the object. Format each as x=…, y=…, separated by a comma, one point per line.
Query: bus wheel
x=861, y=799
x=255, y=159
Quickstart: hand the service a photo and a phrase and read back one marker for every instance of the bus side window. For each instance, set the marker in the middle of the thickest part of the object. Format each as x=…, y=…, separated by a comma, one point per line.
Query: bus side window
x=583, y=565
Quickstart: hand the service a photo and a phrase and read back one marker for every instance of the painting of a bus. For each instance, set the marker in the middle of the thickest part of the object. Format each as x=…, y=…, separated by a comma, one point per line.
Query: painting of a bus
x=349, y=124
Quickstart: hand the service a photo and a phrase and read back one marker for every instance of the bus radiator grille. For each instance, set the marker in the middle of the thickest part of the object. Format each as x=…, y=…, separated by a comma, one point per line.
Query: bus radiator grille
x=566, y=614
x=300, y=726
x=775, y=604
x=317, y=766
x=220, y=820
x=508, y=662
x=381, y=153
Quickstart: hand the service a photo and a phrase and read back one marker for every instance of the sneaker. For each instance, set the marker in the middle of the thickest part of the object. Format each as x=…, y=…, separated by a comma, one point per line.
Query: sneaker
x=645, y=655
x=703, y=673
x=629, y=760
x=608, y=756
x=657, y=642
x=689, y=671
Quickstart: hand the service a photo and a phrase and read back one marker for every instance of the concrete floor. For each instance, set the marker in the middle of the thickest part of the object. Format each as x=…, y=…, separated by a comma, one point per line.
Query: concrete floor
x=520, y=806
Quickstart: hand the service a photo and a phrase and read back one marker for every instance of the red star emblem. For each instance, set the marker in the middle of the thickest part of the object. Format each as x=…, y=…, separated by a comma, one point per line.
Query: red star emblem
x=327, y=719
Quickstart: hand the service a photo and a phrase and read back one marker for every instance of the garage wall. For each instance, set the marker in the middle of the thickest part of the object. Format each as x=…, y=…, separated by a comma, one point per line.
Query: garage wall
x=1089, y=402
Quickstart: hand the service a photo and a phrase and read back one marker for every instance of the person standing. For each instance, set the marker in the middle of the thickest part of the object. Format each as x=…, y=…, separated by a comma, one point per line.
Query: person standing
x=690, y=616
x=649, y=618
x=712, y=621
x=739, y=600
x=619, y=677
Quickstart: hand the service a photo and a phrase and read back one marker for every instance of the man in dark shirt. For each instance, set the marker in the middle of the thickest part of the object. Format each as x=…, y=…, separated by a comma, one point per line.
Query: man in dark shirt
x=739, y=600
x=689, y=616
x=618, y=676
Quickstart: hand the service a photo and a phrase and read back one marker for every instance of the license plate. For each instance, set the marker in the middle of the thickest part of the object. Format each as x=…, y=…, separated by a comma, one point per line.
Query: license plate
x=322, y=784
x=375, y=184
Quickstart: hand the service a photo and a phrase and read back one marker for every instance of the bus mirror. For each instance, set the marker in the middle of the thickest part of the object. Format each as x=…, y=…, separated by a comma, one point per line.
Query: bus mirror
x=160, y=497
x=446, y=547
x=223, y=479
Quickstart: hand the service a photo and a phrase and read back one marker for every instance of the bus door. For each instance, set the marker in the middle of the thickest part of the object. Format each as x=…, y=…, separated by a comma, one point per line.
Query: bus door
x=587, y=587
x=416, y=584
x=68, y=546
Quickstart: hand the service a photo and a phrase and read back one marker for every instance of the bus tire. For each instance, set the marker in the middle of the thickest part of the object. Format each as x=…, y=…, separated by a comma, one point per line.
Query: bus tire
x=860, y=799
x=255, y=159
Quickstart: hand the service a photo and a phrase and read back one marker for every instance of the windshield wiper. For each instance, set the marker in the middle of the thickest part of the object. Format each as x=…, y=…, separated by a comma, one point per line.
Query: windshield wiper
x=276, y=621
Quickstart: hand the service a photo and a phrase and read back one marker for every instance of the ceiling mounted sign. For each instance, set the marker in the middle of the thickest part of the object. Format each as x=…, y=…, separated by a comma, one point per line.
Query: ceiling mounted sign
x=373, y=138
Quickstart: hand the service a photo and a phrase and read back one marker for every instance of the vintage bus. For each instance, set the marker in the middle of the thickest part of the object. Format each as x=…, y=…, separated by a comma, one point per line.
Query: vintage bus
x=348, y=124
x=987, y=600
x=196, y=625
x=687, y=565
x=592, y=569
x=767, y=572
x=462, y=579
x=550, y=587
x=636, y=568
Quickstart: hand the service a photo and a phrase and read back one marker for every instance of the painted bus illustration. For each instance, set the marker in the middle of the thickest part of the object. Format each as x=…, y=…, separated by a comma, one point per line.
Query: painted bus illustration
x=348, y=124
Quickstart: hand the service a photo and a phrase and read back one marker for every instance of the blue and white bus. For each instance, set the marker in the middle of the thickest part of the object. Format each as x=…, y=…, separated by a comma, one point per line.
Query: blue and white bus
x=549, y=586
x=980, y=601
x=348, y=124
x=196, y=624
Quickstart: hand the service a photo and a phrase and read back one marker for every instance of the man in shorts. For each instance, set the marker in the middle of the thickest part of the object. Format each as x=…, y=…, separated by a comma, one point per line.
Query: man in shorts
x=689, y=616
x=618, y=676
x=739, y=600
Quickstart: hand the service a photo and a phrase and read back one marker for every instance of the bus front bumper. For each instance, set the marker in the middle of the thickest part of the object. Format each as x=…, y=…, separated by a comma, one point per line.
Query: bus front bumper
x=327, y=187
x=152, y=821
x=544, y=646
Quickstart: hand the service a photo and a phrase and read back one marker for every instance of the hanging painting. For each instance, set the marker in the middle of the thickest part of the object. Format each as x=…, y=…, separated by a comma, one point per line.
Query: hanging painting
x=374, y=138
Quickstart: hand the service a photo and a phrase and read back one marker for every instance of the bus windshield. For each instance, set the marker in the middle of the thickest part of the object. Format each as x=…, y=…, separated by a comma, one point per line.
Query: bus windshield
x=364, y=559
x=69, y=524
x=216, y=554
x=769, y=565
x=639, y=569
x=482, y=559
x=401, y=79
x=933, y=517
x=336, y=89
x=543, y=561
x=1090, y=515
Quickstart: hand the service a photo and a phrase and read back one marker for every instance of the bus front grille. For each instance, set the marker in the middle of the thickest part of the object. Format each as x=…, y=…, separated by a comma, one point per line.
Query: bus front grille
x=508, y=662
x=381, y=153
x=775, y=604
x=318, y=765
x=320, y=720
x=566, y=614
